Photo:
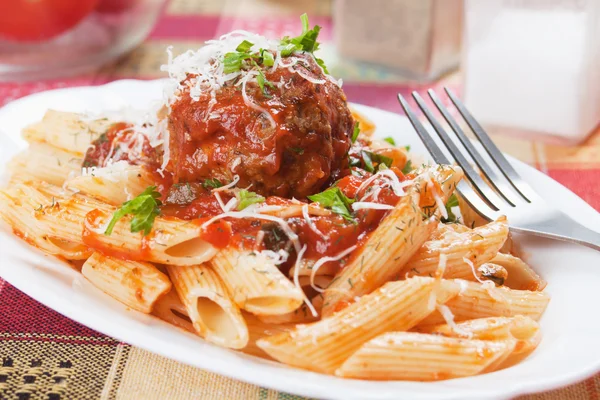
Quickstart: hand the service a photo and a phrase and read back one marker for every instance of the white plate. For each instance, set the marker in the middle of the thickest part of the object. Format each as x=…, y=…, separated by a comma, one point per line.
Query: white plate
x=570, y=350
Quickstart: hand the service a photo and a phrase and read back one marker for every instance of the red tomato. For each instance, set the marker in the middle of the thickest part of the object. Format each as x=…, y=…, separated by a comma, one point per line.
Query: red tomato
x=38, y=20
x=115, y=6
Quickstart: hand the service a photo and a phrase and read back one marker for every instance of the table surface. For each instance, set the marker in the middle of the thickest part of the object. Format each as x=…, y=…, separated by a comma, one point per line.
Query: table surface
x=47, y=356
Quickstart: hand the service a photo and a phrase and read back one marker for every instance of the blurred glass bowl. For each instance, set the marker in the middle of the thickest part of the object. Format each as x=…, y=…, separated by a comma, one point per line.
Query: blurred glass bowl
x=105, y=34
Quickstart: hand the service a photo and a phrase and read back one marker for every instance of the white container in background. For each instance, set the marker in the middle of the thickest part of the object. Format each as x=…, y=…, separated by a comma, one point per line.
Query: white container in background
x=534, y=65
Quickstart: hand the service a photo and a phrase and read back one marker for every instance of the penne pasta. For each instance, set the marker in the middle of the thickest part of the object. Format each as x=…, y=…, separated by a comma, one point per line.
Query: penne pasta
x=113, y=186
x=477, y=300
x=520, y=275
x=393, y=243
x=524, y=330
x=423, y=357
x=170, y=309
x=302, y=314
x=257, y=330
x=255, y=283
x=22, y=207
x=464, y=251
x=44, y=162
x=67, y=131
x=213, y=314
x=137, y=285
x=172, y=241
x=323, y=346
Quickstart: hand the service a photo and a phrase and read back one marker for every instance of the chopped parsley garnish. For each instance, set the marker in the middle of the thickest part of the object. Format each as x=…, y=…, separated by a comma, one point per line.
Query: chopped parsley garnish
x=233, y=62
x=262, y=81
x=370, y=159
x=356, y=132
x=244, y=58
x=407, y=148
x=297, y=150
x=334, y=199
x=144, y=208
x=390, y=140
x=452, y=202
x=212, y=183
x=408, y=167
x=248, y=198
x=306, y=41
x=244, y=47
x=267, y=58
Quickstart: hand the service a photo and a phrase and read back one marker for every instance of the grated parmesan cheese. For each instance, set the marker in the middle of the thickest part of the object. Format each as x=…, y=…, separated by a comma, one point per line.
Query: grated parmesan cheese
x=449, y=318
x=322, y=261
x=361, y=205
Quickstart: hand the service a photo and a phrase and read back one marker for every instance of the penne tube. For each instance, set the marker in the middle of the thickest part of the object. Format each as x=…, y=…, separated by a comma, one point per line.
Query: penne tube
x=137, y=285
x=257, y=330
x=255, y=283
x=464, y=251
x=422, y=357
x=172, y=241
x=213, y=314
x=67, y=131
x=45, y=163
x=524, y=330
x=22, y=206
x=398, y=237
x=520, y=275
x=113, y=185
x=476, y=300
x=324, y=345
x=302, y=314
x=170, y=309
x=82, y=219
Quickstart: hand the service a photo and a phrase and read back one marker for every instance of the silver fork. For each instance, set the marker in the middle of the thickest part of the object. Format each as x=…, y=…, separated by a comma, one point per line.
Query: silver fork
x=492, y=197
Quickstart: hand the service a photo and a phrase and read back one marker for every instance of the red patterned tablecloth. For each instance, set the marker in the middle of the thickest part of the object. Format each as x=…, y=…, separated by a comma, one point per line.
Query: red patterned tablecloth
x=47, y=356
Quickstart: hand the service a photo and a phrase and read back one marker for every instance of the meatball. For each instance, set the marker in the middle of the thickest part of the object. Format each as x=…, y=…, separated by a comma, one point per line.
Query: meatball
x=298, y=143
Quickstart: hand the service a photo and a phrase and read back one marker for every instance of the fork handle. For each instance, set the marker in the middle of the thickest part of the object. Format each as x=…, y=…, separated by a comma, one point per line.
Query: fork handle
x=564, y=228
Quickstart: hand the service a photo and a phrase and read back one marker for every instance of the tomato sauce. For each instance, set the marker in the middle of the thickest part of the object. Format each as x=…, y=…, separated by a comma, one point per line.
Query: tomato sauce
x=335, y=234
x=121, y=143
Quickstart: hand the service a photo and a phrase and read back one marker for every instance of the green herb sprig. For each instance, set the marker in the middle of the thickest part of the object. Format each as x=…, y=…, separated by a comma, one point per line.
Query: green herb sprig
x=334, y=199
x=144, y=208
x=247, y=198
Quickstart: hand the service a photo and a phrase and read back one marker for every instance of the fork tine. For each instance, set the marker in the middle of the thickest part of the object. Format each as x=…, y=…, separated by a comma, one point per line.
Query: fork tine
x=496, y=155
x=480, y=186
x=463, y=188
x=492, y=177
x=434, y=150
x=474, y=201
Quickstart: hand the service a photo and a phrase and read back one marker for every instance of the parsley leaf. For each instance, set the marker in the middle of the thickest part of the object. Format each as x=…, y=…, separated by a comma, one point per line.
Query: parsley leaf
x=262, y=81
x=407, y=148
x=334, y=199
x=212, y=183
x=244, y=47
x=369, y=158
x=355, y=132
x=452, y=202
x=408, y=167
x=390, y=140
x=307, y=41
x=248, y=198
x=145, y=209
x=233, y=62
x=267, y=58
x=322, y=64
x=297, y=150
